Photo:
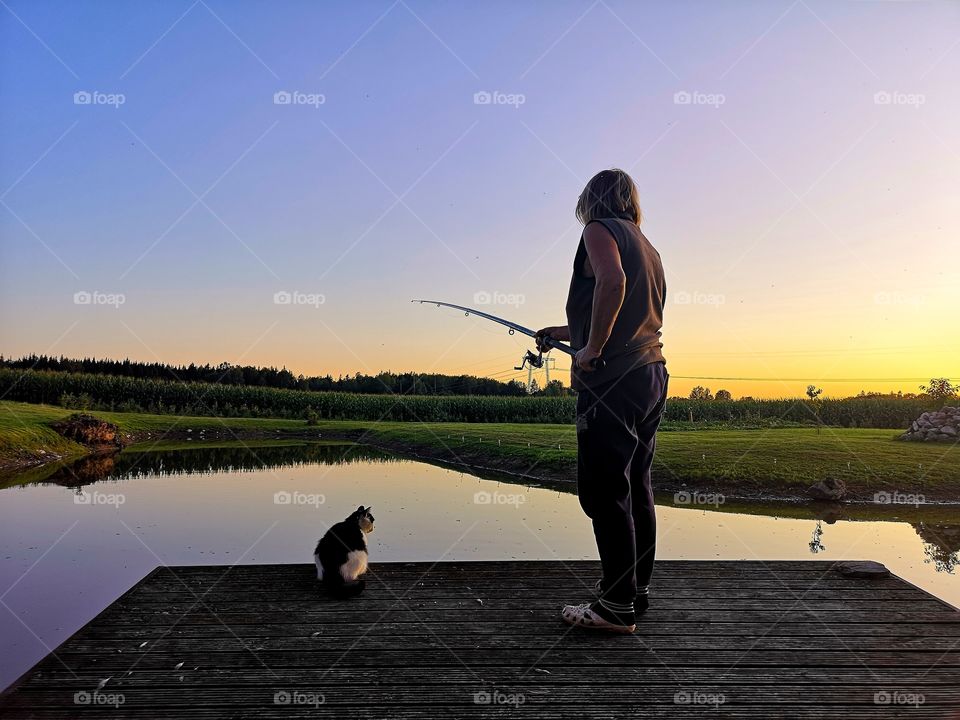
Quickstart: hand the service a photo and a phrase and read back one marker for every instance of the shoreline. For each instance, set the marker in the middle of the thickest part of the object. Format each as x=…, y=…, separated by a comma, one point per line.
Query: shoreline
x=772, y=465
x=509, y=469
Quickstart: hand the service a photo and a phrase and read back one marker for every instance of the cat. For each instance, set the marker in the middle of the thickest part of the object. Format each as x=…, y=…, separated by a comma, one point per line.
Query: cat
x=341, y=555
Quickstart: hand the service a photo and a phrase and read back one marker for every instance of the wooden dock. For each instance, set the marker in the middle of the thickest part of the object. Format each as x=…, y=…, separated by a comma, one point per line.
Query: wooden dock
x=484, y=640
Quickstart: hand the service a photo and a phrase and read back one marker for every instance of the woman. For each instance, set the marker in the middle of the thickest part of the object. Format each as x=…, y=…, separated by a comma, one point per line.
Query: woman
x=614, y=316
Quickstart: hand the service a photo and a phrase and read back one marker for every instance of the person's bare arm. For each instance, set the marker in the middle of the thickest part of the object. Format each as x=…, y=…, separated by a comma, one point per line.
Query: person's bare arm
x=608, y=291
x=554, y=332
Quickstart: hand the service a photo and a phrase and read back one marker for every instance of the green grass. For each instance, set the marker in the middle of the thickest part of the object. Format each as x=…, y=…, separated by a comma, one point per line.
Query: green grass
x=25, y=433
x=775, y=460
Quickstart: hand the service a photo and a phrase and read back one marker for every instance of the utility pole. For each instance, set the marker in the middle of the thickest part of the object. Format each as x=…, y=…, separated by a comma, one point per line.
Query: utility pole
x=547, y=362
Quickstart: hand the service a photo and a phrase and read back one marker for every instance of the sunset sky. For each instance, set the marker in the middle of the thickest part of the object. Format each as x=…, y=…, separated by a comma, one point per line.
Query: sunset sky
x=798, y=167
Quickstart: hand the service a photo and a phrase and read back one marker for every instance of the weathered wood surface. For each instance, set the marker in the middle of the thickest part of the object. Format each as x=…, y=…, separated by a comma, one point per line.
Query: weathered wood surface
x=484, y=640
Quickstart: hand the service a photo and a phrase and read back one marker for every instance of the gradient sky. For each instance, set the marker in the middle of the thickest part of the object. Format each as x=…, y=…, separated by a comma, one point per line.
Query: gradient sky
x=809, y=229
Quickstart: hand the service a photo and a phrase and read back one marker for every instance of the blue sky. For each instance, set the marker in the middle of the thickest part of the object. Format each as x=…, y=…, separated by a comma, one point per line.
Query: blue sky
x=813, y=226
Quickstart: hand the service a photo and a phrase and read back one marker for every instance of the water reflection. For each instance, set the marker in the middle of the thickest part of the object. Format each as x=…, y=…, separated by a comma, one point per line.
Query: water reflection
x=941, y=544
x=152, y=460
x=937, y=526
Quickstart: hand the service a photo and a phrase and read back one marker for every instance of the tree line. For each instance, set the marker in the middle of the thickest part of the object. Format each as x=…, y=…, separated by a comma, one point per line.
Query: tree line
x=937, y=390
x=383, y=383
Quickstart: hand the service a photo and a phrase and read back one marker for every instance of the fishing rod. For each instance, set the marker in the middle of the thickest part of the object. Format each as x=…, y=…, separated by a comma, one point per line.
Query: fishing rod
x=535, y=360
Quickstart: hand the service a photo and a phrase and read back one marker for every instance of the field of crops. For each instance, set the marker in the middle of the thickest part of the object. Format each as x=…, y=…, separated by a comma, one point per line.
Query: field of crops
x=105, y=392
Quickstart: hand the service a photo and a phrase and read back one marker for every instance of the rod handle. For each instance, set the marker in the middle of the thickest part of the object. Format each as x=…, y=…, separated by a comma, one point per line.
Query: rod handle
x=597, y=363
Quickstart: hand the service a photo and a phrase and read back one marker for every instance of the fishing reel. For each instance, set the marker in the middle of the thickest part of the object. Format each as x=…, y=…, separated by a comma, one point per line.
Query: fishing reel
x=535, y=360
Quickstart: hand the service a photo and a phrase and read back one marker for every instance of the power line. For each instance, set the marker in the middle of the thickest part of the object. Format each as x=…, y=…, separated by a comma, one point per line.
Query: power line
x=507, y=375
x=800, y=353
x=806, y=379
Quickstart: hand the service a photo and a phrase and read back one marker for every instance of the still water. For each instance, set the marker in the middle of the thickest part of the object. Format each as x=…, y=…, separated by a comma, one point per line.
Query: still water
x=72, y=540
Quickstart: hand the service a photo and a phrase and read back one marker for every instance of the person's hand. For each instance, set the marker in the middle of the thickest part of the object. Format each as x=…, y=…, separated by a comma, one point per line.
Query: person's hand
x=585, y=357
x=554, y=332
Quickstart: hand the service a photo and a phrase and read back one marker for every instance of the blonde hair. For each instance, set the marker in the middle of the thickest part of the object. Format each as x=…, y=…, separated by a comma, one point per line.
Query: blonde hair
x=610, y=193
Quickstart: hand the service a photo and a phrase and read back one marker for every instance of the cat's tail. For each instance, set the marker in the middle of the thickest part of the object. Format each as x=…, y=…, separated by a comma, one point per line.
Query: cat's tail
x=343, y=589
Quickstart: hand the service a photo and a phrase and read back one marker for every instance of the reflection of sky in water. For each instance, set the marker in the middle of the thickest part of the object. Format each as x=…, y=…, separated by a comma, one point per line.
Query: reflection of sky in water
x=423, y=513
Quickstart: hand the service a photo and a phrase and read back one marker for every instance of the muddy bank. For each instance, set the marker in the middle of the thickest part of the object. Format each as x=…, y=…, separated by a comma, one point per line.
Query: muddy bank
x=24, y=460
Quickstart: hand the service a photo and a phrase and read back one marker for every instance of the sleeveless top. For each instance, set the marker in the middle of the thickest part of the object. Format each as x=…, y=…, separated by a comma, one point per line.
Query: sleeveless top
x=635, y=339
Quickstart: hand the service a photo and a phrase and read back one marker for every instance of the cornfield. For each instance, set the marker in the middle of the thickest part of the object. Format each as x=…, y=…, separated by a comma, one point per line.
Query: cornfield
x=107, y=392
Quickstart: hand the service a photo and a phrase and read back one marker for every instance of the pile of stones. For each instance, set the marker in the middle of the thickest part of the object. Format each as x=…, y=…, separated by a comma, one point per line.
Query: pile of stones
x=936, y=425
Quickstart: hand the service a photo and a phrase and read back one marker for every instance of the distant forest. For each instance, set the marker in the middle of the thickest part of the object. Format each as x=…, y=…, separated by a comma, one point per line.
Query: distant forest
x=251, y=376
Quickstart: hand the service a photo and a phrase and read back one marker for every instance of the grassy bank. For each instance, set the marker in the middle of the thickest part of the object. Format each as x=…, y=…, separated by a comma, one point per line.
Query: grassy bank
x=26, y=437
x=738, y=462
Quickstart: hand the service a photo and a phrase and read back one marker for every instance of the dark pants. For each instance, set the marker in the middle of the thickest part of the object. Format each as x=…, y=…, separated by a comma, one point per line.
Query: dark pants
x=616, y=436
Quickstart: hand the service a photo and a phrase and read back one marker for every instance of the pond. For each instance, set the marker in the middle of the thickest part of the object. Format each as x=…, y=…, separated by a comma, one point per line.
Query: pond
x=72, y=539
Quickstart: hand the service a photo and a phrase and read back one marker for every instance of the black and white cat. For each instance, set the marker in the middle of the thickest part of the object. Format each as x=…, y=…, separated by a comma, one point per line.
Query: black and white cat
x=341, y=554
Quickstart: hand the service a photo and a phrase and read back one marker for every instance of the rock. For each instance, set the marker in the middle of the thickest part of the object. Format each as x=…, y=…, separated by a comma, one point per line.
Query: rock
x=828, y=489
x=89, y=430
x=829, y=512
x=935, y=426
x=862, y=569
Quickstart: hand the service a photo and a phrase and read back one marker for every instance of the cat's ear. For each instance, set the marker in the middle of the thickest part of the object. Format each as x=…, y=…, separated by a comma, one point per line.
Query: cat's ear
x=360, y=509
